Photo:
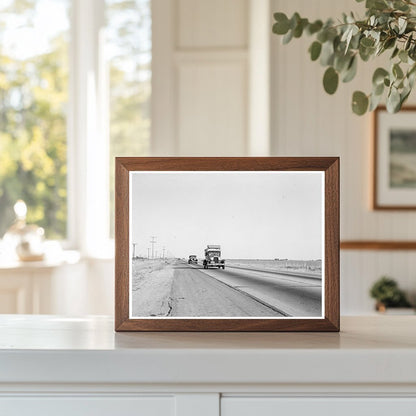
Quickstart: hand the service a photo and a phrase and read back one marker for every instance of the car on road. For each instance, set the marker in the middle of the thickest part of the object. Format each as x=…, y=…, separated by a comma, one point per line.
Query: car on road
x=192, y=259
x=213, y=257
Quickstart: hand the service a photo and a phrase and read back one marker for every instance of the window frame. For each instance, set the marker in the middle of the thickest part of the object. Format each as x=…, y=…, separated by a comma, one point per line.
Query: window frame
x=88, y=133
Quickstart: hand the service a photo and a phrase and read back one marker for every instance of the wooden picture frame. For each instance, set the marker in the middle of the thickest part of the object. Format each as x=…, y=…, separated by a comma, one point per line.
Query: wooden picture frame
x=394, y=146
x=132, y=197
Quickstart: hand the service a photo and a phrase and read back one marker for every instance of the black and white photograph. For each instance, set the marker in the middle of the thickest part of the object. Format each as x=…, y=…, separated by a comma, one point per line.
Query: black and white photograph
x=226, y=244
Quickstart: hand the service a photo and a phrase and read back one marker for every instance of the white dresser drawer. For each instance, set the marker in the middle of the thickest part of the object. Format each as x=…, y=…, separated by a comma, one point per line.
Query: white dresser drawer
x=274, y=406
x=87, y=406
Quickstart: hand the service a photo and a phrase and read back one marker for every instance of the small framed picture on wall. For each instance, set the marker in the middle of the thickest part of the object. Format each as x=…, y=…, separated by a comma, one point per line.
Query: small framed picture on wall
x=394, y=158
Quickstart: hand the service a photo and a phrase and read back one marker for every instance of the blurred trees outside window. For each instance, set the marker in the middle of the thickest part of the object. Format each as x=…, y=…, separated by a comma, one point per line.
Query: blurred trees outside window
x=34, y=93
x=33, y=100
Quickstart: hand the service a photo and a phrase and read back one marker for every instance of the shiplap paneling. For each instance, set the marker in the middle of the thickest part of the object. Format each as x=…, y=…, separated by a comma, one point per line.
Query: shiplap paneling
x=201, y=84
x=212, y=24
x=211, y=111
x=308, y=122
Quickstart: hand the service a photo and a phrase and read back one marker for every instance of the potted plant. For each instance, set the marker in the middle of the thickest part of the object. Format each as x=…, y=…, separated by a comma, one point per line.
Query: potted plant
x=387, y=294
x=389, y=27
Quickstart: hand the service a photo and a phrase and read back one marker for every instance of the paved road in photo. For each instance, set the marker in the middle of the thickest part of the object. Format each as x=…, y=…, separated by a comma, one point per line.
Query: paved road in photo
x=196, y=293
x=177, y=289
x=292, y=295
x=203, y=292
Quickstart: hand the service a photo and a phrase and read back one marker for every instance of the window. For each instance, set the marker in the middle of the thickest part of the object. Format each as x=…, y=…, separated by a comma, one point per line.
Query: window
x=129, y=43
x=75, y=87
x=33, y=98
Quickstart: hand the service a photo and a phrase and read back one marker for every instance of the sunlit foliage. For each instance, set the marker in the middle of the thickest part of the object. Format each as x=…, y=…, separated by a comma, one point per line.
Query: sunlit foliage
x=33, y=100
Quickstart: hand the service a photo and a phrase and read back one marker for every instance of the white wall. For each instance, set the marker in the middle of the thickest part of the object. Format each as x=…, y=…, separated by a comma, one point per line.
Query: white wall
x=308, y=122
x=200, y=77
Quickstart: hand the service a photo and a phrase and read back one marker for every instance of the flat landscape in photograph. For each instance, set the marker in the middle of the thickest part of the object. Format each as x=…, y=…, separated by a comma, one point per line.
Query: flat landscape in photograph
x=226, y=244
x=244, y=288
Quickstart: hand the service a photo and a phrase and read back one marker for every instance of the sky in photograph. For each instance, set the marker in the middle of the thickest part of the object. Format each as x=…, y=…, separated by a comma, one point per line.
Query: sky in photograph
x=257, y=215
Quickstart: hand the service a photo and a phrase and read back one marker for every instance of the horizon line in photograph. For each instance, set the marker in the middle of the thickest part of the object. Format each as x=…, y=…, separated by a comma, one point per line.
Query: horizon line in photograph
x=168, y=255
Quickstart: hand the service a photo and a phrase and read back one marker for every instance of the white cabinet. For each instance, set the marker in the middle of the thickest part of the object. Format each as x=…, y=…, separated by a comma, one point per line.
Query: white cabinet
x=67, y=286
x=271, y=406
x=88, y=406
x=80, y=366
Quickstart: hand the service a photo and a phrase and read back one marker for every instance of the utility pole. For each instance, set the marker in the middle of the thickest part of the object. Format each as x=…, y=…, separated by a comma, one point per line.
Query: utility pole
x=134, y=250
x=163, y=253
x=153, y=242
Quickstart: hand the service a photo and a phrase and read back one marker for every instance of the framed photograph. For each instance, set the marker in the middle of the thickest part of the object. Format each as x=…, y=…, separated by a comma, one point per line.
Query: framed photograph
x=227, y=244
x=394, y=159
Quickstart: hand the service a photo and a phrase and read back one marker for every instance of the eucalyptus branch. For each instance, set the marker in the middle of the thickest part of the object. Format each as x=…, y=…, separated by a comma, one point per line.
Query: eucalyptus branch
x=388, y=25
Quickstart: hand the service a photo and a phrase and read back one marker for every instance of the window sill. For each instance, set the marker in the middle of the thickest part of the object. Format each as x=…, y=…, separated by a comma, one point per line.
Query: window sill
x=62, y=258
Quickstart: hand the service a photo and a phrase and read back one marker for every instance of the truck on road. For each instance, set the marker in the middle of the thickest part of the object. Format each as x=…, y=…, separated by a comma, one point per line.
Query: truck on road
x=213, y=257
x=192, y=259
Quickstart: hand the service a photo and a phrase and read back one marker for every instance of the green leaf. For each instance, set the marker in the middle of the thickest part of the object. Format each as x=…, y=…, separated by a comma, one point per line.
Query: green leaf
x=367, y=42
x=315, y=50
x=341, y=61
x=359, y=103
x=374, y=101
x=351, y=71
x=403, y=56
x=395, y=52
x=393, y=101
x=412, y=70
x=412, y=52
x=400, y=5
x=314, y=27
x=281, y=27
x=379, y=75
x=336, y=42
x=327, y=33
x=294, y=20
x=355, y=41
x=288, y=37
x=376, y=4
x=411, y=76
x=330, y=80
x=408, y=42
x=404, y=95
x=397, y=71
x=298, y=30
x=366, y=53
x=327, y=53
x=378, y=89
x=389, y=43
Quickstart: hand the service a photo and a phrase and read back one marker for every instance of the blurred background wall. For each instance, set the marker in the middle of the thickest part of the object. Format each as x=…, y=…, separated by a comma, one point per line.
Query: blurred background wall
x=223, y=85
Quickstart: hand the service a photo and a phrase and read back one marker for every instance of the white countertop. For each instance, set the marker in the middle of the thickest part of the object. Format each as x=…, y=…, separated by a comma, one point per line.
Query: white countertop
x=53, y=349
